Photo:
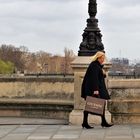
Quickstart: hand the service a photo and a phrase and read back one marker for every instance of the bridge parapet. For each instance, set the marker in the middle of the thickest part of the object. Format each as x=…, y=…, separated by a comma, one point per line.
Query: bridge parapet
x=125, y=100
x=46, y=97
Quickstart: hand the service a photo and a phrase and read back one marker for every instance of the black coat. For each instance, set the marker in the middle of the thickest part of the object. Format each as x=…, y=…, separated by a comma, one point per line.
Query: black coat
x=93, y=81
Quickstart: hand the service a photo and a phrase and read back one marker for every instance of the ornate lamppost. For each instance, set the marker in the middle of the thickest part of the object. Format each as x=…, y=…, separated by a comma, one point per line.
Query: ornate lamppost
x=92, y=38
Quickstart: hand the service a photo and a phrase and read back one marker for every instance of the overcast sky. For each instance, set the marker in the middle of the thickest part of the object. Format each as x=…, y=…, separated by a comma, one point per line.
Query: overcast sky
x=52, y=25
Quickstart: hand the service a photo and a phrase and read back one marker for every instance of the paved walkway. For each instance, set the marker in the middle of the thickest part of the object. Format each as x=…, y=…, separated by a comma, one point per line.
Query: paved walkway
x=56, y=131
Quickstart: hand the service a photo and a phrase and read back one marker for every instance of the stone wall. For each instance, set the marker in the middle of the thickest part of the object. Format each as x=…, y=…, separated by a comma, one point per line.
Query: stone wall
x=50, y=97
x=37, y=87
x=53, y=97
x=125, y=100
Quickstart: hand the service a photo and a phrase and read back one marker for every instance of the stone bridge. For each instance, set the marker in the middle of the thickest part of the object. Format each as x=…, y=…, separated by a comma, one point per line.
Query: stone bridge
x=53, y=97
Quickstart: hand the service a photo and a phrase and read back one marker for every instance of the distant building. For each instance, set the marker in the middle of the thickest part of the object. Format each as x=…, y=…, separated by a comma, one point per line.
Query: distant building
x=121, y=61
x=120, y=66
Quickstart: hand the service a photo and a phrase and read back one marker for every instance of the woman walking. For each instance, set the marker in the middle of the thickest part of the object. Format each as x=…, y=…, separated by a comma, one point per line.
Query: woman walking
x=94, y=85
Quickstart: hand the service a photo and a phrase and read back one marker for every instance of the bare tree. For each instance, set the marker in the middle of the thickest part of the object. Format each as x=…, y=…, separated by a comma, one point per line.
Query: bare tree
x=43, y=59
x=37, y=62
x=68, y=57
x=12, y=54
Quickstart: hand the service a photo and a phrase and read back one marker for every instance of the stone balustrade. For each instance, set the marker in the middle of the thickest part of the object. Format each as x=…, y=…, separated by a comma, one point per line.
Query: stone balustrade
x=37, y=87
x=125, y=100
x=53, y=97
x=47, y=97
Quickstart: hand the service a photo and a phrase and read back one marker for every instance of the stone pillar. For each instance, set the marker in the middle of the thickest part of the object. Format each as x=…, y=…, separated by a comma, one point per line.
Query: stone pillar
x=79, y=66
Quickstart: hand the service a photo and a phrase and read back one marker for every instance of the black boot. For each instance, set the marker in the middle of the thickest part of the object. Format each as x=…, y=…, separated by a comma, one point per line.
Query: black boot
x=104, y=122
x=85, y=121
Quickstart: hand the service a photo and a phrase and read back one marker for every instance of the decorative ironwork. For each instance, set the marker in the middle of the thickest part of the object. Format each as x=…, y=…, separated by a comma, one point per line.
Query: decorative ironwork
x=92, y=8
x=92, y=38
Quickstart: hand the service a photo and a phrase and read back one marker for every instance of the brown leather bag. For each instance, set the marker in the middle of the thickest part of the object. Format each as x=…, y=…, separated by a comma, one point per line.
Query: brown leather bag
x=95, y=105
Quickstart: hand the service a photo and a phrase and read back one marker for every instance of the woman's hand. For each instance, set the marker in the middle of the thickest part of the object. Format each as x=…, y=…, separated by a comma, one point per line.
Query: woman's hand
x=96, y=93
